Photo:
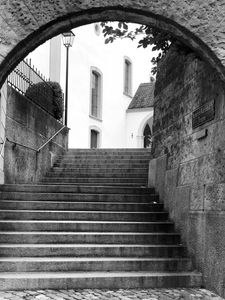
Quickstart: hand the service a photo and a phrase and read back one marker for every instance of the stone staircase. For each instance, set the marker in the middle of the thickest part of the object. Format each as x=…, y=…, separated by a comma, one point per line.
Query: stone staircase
x=91, y=223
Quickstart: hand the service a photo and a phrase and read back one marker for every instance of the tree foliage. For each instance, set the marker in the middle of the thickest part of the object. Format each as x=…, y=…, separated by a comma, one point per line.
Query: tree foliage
x=147, y=35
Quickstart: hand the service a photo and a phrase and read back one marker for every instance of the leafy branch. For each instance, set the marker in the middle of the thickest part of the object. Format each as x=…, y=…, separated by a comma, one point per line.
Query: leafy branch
x=148, y=36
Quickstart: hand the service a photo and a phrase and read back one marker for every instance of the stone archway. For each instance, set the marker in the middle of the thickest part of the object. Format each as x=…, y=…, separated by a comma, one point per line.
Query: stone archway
x=27, y=24
x=199, y=24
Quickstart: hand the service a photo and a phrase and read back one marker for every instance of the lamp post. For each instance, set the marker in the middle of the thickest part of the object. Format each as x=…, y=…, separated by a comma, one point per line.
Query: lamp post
x=68, y=38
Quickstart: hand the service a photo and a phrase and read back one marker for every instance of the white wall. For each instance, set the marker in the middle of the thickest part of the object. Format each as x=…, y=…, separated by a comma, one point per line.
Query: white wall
x=40, y=58
x=135, y=124
x=89, y=50
x=55, y=59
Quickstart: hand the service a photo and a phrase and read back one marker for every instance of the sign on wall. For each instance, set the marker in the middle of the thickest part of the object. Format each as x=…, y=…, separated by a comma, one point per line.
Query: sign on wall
x=203, y=114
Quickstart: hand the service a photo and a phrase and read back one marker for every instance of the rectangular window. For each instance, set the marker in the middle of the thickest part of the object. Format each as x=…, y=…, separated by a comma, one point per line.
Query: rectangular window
x=127, y=77
x=94, y=139
x=95, y=95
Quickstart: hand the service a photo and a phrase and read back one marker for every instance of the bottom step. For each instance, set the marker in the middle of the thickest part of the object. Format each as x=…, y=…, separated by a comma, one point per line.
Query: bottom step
x=92, y=264
x=102, y=280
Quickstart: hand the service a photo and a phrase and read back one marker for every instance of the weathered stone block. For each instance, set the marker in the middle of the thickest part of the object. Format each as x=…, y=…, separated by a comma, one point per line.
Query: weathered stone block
x=188, y=172
x=203, y=170
x=161, y=164
x=152, y=173
x=214, y=252
x=215, y=197
x=20, y=18
x=170, y=189
x=157, y=173
x=181, y=210
x=45, y=11
x=212, y=168
x=8, y=38
x=197, y=197
x=17, y=109
x=196, y=235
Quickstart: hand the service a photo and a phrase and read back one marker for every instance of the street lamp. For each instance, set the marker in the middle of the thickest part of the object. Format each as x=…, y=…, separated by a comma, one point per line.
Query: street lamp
x=68, y=38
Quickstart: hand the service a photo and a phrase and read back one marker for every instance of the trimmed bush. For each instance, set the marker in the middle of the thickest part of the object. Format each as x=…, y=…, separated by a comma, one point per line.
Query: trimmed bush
x=49, y=96
x=57, y=100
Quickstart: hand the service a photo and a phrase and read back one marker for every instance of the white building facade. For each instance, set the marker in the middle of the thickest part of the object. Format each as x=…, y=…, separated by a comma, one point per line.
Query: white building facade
x=102, y=82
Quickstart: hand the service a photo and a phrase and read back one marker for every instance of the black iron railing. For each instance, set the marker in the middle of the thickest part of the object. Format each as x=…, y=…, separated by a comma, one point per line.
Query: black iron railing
x=23, y=77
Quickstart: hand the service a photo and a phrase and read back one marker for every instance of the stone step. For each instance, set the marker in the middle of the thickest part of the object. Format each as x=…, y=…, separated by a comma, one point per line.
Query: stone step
x=112, y=155
x=92, y=250
x=100, y=165
x=106, y=156
x=97, y=184
x=56, y=188
x=109, y=150
x=82, y=215
x=129, y=172
x=75, y=173
x=99, y=181
x=89, y=264
x=106, y=280
x=103, y=159
x=83, y=226
x=125, y=155
x=83, y=150
x=14, y=237
x=91, y=223
x=93, y=206
x=78, y=197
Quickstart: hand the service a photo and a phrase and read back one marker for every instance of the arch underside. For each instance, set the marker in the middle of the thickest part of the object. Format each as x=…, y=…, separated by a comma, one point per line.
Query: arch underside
x=64, y=21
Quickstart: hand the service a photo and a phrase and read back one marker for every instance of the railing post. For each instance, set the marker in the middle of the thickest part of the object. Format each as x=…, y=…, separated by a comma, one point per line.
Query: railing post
x=29, y=73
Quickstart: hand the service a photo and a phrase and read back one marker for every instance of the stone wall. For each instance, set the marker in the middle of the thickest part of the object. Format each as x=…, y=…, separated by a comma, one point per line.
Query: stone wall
x=194, y=172
x=29, y=125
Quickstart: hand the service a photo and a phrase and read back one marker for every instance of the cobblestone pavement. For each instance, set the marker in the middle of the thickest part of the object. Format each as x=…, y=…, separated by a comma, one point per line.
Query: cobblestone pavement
x=145, y=294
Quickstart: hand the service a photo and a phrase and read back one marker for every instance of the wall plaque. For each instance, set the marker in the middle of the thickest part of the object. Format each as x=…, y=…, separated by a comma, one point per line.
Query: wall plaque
x=203, y=114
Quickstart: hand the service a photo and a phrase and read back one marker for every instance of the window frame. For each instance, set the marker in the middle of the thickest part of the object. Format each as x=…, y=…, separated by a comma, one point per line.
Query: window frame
x=96, y=71
x=128, y=76
x=99, y=136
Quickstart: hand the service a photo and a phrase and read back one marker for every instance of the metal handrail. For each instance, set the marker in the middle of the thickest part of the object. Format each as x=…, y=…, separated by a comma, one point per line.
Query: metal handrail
x=14, y=142
x=28, y=147
x=49, y=140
